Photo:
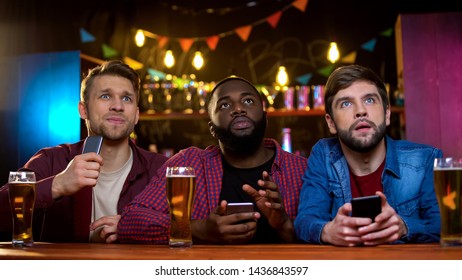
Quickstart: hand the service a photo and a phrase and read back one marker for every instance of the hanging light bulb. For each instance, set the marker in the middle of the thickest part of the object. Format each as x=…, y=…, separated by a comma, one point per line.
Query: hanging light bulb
x=140, y=38
x=198, y=60
x=333, y=53
x=282, y=78
x=169, y=59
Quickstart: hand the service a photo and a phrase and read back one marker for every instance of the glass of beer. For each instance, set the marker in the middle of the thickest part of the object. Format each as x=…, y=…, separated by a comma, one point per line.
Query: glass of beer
x=21, y=192
x=448, y=187
x=181, y=185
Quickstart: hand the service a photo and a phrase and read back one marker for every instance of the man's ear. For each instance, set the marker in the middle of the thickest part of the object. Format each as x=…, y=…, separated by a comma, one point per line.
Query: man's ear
x=83, y=111
x=137, y=117
x=331, y=124
x=212, y=129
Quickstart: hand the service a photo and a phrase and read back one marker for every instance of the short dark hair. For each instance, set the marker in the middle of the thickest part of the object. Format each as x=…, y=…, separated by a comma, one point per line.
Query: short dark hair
x=344, y=76
x=115, y=68
x=227, y=79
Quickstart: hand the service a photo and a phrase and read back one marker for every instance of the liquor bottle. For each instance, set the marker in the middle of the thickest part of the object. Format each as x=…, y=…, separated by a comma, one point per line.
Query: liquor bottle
x=286, y=140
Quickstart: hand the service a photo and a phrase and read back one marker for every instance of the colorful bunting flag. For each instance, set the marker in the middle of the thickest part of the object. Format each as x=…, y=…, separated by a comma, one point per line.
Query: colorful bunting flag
x=133, y=63
x=349, y=58
x=387, y=33
x=85, y=36
x=162, y=41
x=300, y=4
x=186, y=43
x=369, y=45
x=156, y=73
x=304, y=79
x=273, y=19
x=244, y=32
x=325, y=71
x=109, y=52
x=212, y=42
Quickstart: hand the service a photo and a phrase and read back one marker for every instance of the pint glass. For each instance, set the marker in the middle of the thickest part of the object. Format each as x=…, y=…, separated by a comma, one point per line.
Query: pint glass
x=448, y=185
x=181, y=185
x=21, y=192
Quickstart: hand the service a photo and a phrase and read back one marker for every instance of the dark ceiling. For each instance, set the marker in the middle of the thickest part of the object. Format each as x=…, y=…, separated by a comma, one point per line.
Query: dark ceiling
x=299, y=41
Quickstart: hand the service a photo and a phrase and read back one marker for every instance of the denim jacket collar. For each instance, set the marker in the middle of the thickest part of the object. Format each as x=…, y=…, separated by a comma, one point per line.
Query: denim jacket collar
x=391, y=160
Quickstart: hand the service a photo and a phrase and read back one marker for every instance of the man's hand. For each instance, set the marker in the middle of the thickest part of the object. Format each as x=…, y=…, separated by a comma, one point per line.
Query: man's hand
x=270, y=203
x=107, y=227
x=218, y=228
x=343, y=229
x=350, y=231
x=81, y=172
x=388, y=226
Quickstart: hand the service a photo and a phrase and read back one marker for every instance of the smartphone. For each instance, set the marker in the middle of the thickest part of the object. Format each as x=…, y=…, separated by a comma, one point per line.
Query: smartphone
x=239, y=207
x=92, y=144
x=366, y=206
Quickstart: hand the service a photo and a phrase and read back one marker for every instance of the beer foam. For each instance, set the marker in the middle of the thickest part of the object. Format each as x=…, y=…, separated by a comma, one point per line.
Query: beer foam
x=451, y=168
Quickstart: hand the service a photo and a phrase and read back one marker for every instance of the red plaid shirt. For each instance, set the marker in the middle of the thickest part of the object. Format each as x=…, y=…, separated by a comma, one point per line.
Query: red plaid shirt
x=146, y=218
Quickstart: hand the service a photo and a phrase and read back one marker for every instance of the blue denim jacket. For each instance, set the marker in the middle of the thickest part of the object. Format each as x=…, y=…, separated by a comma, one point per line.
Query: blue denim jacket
x=407, y=182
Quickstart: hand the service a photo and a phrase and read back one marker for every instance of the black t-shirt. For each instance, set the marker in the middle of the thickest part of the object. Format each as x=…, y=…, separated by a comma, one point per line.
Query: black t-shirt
x=231, y=191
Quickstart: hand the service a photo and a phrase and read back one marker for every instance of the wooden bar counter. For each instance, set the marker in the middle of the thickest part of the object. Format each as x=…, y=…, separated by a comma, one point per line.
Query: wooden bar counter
x=87, y=251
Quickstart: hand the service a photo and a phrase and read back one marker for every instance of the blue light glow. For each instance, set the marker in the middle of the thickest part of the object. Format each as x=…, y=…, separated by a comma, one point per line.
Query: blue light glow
x=48, y=101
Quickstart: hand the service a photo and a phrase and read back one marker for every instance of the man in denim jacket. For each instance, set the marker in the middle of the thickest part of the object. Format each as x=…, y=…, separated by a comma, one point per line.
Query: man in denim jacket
x=363, y=161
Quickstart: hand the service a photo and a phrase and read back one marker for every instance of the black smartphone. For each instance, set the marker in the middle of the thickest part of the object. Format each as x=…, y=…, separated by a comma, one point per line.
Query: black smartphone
x=366, y=206
x=92, y=144
x=239, y=207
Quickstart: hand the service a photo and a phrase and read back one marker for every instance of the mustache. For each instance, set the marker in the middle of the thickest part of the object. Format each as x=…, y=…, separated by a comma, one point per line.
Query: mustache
x=115, y=115
x=363, y=120
x=239, y=118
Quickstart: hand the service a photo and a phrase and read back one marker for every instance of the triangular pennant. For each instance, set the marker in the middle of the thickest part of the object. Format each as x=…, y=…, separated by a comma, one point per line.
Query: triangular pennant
x=109, y=52
x=387, y=33
x=186, y=43
x=244, y=32
x=162, y=41
x=85, y=36
x=326, y=70
x=156, y=73
x=212, y=42
x=349, y=58
x=300, y=4
x=304, y=79
x=370, y=45
x=273, y=19
x=133, y=63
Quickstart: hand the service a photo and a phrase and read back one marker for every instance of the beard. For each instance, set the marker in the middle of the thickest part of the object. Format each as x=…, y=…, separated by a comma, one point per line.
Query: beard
x=111, y=133
x=242, y=144
x=362, y=145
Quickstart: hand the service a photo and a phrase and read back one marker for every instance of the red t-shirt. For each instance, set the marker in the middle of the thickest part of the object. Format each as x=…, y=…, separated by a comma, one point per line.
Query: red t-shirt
x=368, y=184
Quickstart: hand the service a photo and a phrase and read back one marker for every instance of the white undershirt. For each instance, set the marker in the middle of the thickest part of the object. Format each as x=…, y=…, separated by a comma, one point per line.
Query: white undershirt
x=106, y=195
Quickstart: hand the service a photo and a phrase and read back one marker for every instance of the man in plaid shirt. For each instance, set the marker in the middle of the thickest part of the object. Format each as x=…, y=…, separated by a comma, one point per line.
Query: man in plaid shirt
x=244, y=167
